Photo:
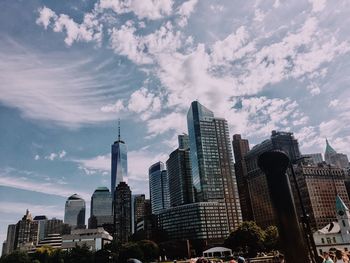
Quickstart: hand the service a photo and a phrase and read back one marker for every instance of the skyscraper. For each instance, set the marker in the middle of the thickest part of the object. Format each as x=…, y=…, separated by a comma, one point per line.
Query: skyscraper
x=141, y=209
x=159, y=187
x=212, y=161
x=122, y=220
x=180, y=174
x=240, y=148
x=74, y=212
x=26, y=232
x=10, y=239
x=101, y=208
x=337, y=159
x=263, y=213
x=119, y=162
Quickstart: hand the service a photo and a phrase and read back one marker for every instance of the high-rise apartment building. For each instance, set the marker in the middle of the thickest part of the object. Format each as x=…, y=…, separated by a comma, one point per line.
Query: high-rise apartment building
x=337, y=159
x=240, y=148
x=212, y=161
x=159, y=187
x=101, y=208
x=180, y=174
x=122, y=208
x=74, y=212
x=263, y=213
x=119, y=162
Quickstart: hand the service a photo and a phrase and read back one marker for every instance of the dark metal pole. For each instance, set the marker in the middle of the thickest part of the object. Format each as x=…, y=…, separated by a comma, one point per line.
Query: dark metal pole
x=274, y=164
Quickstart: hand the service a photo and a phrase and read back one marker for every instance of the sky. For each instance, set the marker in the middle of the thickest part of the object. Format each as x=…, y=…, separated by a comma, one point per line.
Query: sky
x=70, y=69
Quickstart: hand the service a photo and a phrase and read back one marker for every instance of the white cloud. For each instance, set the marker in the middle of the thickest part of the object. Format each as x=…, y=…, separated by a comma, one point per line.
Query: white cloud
x=313, y=89
x=150, y=9
x=46, y=16
x=36, y=157
x=54, y=156
x=118, y=106
x=185, y=11
x=333, y=103
x=89, y=30
x=318, y=5
x=174, y=122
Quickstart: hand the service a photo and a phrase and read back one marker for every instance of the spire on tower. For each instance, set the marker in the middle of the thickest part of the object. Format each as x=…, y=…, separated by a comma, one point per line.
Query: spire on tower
x=118, y=129
x=329, y=148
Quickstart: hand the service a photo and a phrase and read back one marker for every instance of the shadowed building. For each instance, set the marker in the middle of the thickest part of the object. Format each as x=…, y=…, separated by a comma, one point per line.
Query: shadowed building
x=263, y=213
x=74, y=212
x=27, y=232
x=240, y=148
x=122, y=220
x=180, y=175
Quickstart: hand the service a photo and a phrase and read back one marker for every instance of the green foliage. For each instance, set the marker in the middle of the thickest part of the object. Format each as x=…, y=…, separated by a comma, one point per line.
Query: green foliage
x=80, y=255
x=248, y=238
x=271, y=241
x=130, y=250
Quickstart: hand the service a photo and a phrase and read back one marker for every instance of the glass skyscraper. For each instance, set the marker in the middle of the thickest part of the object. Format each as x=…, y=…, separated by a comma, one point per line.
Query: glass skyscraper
x=212, y=161
x=101, y=207
x=159, y=187
x=74, y=212
x=119, y=163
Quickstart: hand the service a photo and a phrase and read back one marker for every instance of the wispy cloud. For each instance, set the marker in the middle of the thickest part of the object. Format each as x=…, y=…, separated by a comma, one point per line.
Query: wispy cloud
x=14, y=178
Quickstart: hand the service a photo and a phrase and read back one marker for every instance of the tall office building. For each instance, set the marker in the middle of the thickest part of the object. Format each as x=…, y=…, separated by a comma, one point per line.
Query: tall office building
x=159, y=187
x=337, y=159
x=74, y=212
x=180, y=174
x=119, y=162
x=263, y=213
x=26, y=232
x=183, y=141
x=41, y=220
x=122, y=220
x=212, y=161
x=101, y=208
x=313, y=158
x=240, y=148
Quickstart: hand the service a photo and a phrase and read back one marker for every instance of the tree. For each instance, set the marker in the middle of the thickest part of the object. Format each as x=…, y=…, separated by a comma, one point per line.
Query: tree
x=271, y=238
x=248, y=239
x=80, y=255
x=16, y=257
x=130, y=250
x=149, y=249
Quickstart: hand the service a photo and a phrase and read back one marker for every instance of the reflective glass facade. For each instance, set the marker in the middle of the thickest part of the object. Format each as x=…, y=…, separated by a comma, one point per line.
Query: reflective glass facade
x=101, y=206
x=119, y=164
x=159, y=187
x=74, y=212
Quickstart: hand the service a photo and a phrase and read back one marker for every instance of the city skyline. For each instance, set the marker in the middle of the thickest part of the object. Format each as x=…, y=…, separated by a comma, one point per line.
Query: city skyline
x=70, y=70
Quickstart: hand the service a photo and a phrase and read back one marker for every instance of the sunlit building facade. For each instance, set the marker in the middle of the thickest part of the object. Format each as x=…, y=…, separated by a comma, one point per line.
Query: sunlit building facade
x=74, y=212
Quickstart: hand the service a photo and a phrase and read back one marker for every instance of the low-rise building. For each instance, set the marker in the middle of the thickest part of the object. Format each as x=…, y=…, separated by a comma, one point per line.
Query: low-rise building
x=94, y=239
x=335, y=235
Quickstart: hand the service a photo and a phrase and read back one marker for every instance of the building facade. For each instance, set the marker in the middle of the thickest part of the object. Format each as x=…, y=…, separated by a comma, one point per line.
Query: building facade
x=142, y=209
x=319, y=187
x=202, y=220
x=212, y=161
x=101, y=208
x=119, y=162
x=159, y=187
x=240, y=148
x=122, y=220
x=27, y=233
x=263, y=212
x=74, y=212
x=180, y=175
x=313, y=158
x=94, y=239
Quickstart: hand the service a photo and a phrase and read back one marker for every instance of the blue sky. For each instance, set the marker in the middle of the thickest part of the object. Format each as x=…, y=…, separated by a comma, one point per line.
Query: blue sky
x=70, y=69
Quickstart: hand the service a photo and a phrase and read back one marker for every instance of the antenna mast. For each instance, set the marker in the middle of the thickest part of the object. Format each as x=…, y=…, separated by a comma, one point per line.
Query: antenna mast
x=118, y=129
